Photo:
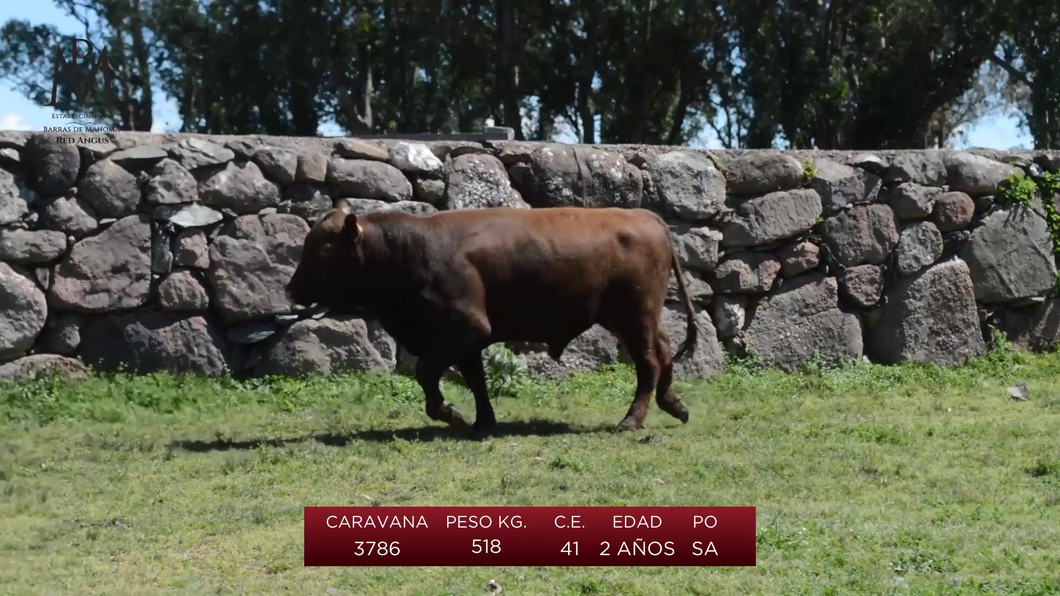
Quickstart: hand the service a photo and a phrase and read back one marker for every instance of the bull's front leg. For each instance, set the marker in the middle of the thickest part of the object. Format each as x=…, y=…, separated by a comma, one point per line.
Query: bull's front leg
x=475, y=377
x=429, y=375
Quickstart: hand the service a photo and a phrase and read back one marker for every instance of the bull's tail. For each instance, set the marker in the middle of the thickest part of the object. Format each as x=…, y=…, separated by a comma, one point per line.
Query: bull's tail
x=692, y=334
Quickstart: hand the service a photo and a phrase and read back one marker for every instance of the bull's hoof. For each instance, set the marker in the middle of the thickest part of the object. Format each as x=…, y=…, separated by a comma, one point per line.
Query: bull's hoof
x=457, y=421
x=629, y=425
x=677, y=410
x=483, y=429
x=450, y=416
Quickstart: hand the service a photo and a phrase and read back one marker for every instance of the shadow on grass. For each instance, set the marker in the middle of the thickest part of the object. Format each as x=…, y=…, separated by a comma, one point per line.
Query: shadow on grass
x=522, y=428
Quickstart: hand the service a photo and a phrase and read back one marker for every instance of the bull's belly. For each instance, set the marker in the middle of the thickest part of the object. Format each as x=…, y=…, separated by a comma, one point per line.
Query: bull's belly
x=540, y=320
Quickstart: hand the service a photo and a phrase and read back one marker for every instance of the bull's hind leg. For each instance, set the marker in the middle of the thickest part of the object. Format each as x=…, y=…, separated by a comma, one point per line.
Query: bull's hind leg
x=638, y=335
x=429, y=374
x=475, y=377
x=664, y=392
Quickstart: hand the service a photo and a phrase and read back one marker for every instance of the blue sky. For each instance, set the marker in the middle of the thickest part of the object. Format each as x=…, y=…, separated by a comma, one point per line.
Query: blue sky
x=17, y=112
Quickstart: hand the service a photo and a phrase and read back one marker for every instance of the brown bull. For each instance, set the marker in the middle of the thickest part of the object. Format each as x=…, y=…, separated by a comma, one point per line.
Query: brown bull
x=448, y=285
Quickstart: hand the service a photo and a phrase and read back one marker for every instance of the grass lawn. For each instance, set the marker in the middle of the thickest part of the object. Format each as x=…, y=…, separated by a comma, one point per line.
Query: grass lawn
x=867, y=479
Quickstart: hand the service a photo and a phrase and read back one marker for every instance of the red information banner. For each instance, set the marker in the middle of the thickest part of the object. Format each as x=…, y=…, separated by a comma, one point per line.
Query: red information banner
x=530, y=536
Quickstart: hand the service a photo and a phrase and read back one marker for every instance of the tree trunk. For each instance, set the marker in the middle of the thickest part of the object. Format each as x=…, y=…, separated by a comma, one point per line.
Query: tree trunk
x=585, y=81
x=144, y=115
x=507, y=84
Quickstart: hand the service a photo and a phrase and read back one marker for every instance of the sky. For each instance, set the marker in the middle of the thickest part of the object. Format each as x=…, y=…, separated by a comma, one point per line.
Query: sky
x=18, y=113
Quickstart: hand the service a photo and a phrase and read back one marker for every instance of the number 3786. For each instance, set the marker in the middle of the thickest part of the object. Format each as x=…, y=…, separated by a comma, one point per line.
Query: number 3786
x=376, y=548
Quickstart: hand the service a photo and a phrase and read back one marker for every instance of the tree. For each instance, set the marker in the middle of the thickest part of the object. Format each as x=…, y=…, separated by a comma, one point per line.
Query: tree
x=1029, y=54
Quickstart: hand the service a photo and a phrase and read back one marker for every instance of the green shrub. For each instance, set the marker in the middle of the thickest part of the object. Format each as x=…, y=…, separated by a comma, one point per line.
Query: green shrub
x=1016, y=189
x=504, y=371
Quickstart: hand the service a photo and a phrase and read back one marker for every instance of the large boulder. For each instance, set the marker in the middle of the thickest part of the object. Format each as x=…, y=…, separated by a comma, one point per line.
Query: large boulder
x=182, y=290
x=139, y=157
x=191, y=215
x=23, y=311
x=686, y=186
x=15, y=198
x=775, y=216
x=53, y=166
x=729, y=314
x=40, y=366
x=61, y=335
x=699, y=291
x=368, y=180
x=801, y=321
x=586, y=353
x=327, y=346
x=862, y=285
x=953, y=211
x=143, y=343
x=911, y=201
x=919, y=245
x=170, y=184
x=1010, y=256
x=110, y=189
x=278, y=163
x=241, y=188
x=696, y=248
x=414, y=158
x=429, y=190
x=861, y=234
x=796, y=259
x=479, y=182
x=975, y=174
x=109, y=271
x=707, y=358
x=306, y=201
x=365, y=206
x=840, y=185
x=925, y=168
x=312, y=167
x=197, y=153
x=31, y=247
x=71, y=215
x=355, y=149
x=746, y=273
x=1035, y=327
x=760, y=173
x=192, y=249
x=930, y=316
x=568, y=176
x=251, y=261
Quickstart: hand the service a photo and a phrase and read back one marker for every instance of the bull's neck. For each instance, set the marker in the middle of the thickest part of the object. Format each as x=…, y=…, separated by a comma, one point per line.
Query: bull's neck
x=394, y=251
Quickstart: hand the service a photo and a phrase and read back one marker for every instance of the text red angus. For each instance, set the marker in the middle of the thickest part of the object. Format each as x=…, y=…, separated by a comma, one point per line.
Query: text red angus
x=532, y=536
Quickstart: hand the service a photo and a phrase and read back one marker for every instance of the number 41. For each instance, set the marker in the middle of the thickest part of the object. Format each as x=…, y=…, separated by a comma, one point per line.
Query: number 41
x=568, y=549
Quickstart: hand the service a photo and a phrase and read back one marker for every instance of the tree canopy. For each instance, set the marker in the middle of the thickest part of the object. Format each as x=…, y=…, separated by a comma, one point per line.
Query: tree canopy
x=826, y=74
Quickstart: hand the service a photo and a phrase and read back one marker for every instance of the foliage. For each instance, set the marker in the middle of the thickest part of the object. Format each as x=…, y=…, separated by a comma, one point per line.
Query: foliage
x=1016, y=190
x=504, y=370
x=826, y=74
x=809, y=171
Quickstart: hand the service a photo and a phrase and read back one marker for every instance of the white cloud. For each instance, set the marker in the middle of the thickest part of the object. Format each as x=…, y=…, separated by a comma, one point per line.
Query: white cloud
x=13, y=121
x=158, y=126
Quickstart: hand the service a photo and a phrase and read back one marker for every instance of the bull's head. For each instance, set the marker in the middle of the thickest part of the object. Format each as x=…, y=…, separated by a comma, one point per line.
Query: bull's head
x=331, y=263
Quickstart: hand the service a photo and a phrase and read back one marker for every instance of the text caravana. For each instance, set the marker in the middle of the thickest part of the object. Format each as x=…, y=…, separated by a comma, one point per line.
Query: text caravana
x=376, y=522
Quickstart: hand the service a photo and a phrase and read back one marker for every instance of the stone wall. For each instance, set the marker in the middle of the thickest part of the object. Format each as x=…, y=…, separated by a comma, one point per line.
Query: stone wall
x=170, y=252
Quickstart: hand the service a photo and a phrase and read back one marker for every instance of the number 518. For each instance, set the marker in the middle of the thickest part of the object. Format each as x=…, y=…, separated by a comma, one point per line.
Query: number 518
x=482, y=545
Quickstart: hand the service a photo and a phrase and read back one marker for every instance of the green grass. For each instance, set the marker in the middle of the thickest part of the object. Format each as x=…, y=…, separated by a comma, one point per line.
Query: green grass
x=867, y=479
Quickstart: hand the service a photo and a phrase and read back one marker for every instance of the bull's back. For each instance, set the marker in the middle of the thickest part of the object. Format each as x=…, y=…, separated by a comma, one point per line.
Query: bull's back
x=548, y=271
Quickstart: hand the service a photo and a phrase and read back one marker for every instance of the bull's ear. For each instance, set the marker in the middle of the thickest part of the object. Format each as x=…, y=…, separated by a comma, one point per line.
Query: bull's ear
x=352, y=227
